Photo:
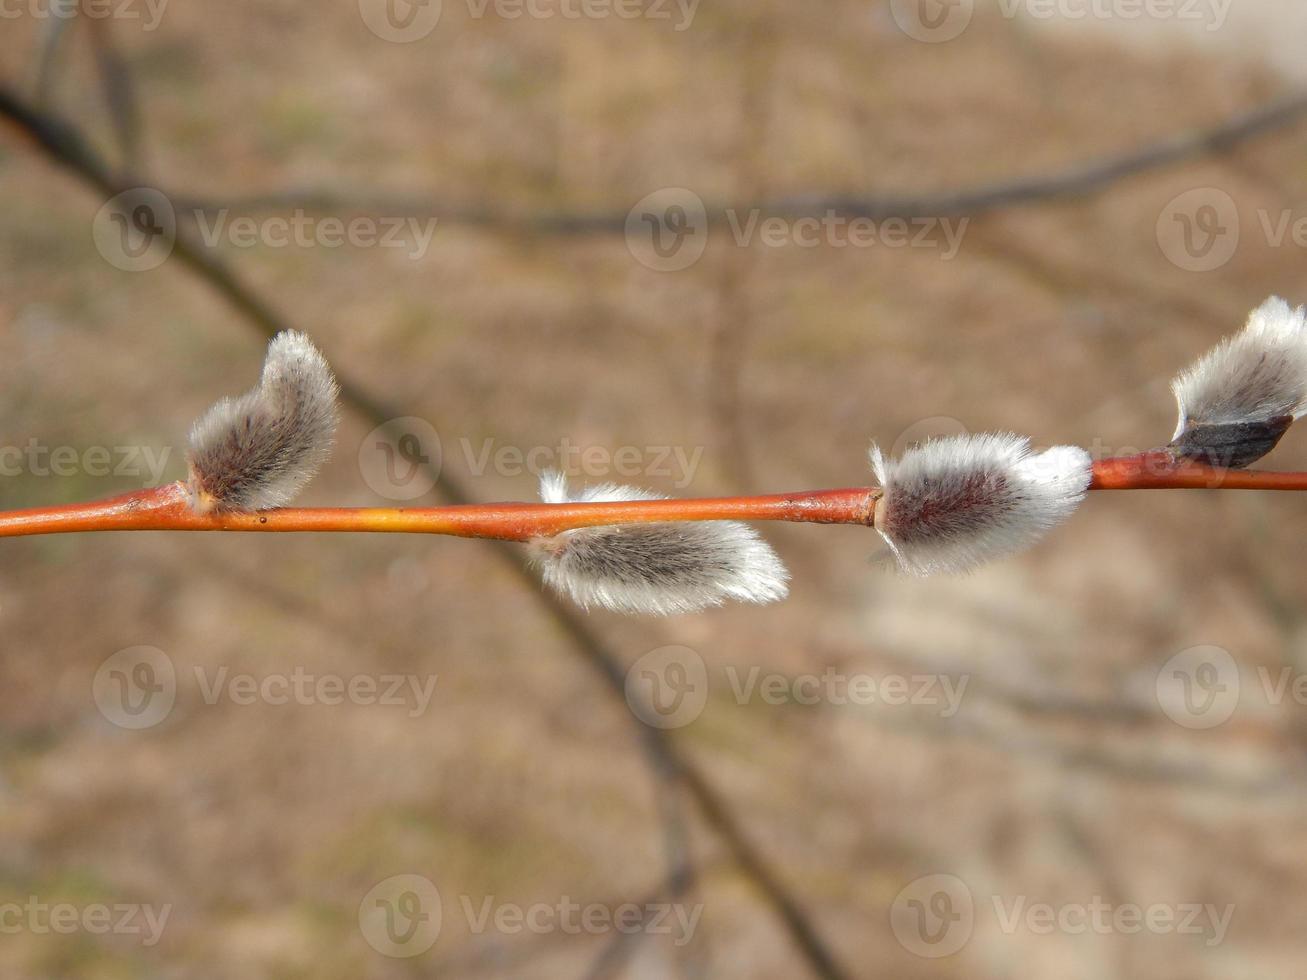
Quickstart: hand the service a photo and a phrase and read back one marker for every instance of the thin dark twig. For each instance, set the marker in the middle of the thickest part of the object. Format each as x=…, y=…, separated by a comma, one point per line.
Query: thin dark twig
x=120, y=94
x=65, y=145
x=618, y=951
x=1076, y=181
x=48, y=46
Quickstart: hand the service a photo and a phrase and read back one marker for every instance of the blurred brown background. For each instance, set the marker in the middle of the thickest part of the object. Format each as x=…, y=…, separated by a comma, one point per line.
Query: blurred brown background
x=1092, y=759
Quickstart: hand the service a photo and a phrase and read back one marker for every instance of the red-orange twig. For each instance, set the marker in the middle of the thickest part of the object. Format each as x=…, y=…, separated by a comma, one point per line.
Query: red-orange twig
x=1159, y=470
x=167, y=508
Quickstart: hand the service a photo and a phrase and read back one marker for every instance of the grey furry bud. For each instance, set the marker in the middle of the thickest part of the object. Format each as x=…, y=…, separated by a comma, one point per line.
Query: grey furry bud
x=258, y=451
x=659, y=569
x=1240, y=398
x=952, y=504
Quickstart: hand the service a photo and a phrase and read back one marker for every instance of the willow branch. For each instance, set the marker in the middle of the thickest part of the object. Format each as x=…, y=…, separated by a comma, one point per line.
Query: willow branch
x=168, y=508
x=64, y=144
x=1070, y=183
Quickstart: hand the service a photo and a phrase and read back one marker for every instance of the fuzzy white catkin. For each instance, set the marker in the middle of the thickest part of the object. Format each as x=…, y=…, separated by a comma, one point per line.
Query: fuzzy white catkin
x=1258, y=375
x=954, y=503
x=658, y=569
x=257, y=451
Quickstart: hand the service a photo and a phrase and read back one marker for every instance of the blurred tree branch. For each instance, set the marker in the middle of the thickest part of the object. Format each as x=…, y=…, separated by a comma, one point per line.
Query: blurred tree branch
x=119, y=88
x=65, y=145
x=1073, y=182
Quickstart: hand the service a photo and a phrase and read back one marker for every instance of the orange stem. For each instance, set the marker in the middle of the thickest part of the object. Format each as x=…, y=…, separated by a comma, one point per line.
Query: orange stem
x=167, y=508
x=1159, y=470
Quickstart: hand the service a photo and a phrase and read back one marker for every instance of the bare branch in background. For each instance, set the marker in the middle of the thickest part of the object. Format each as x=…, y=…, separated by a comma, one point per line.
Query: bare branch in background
x=1071, y=183
x=48, y=48
x=120, y=96
x=64, y=144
